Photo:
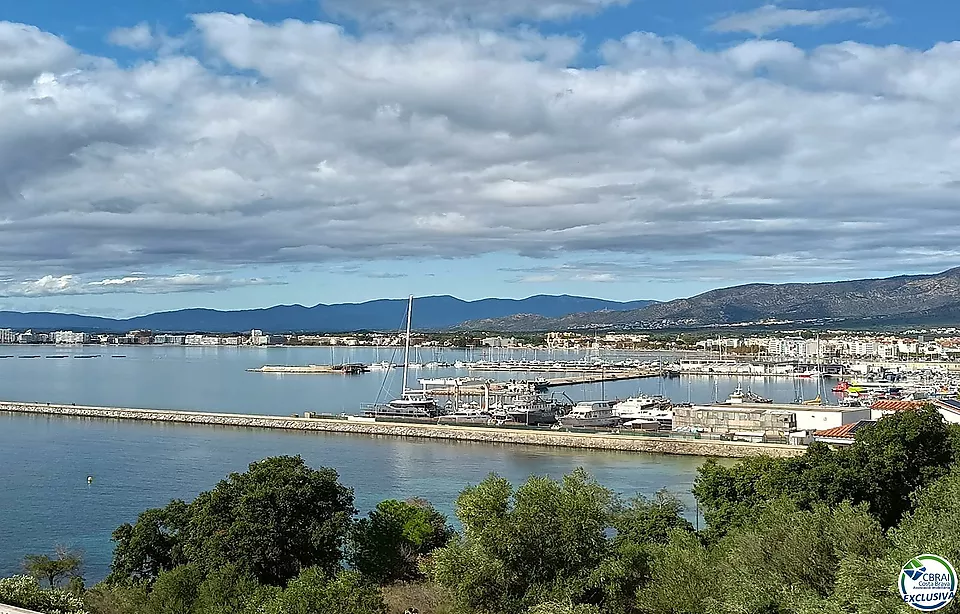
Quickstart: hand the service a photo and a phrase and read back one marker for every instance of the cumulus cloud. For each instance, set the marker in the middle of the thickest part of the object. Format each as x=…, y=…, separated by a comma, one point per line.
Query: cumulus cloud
x=771, y=18
x=72, y=285
x=301, y=143
x=139, y=36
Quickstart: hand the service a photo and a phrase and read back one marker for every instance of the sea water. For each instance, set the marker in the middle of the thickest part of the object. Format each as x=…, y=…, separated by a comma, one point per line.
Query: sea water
x=45, y=499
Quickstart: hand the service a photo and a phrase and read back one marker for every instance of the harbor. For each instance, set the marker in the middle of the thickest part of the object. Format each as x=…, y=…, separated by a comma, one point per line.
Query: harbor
x=519, y=435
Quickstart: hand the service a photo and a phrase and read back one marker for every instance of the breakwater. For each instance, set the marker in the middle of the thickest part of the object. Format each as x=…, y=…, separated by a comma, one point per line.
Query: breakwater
x=519, y=436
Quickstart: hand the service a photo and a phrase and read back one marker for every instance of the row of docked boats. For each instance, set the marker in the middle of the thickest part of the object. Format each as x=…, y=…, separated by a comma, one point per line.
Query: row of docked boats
x=522, y=403
x=642, y=412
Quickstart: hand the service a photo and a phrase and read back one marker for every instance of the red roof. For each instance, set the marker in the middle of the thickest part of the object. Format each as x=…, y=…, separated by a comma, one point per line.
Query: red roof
x=895, y=405
x=846, y=431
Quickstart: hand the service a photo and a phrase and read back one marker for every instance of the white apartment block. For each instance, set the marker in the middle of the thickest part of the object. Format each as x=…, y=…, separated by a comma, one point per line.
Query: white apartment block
x=193, y=339
x=7, y=336
x=70, y=337
x=258, y=338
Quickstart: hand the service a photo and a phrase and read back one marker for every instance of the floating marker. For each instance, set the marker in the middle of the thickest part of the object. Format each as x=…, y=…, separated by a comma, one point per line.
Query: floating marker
x=89, y=479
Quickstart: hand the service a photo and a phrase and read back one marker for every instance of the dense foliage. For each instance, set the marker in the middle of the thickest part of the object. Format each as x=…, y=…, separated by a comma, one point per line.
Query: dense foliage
x=272, y=521
x=26, y=592
x=824, y=532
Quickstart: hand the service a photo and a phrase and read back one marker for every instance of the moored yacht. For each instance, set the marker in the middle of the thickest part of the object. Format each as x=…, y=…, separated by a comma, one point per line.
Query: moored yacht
x=412, y=403
x=533, y=410
x=590, y=413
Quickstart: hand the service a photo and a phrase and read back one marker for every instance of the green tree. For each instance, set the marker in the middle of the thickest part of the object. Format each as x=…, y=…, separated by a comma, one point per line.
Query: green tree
x=315, y=592
x=175, y=591
x=63, y=565
x=273, y=521
x=895, y=457
x=521, y=548
x=150, y=546
x=642, y=521
x=226, y=591
x=389, y=545
x=886, y=463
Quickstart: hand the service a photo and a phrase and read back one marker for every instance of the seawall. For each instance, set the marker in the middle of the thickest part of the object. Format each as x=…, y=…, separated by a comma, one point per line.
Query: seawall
x=626, y=443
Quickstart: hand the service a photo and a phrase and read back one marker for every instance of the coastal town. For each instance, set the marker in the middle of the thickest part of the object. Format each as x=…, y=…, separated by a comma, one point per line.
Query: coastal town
x=926, y=344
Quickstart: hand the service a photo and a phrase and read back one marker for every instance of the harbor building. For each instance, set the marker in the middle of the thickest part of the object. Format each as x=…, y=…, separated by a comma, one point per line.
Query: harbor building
x=7, y=336
x=756, y=423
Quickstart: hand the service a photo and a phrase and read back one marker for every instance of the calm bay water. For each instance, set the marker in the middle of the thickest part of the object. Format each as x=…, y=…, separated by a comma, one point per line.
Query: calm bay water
x=45, y=500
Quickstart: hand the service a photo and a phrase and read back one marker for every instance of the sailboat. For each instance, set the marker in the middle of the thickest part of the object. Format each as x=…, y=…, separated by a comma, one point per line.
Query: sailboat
x=412, y=403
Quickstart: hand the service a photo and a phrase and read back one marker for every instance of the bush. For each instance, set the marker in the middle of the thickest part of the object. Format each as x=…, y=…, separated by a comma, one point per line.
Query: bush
x=26, y=592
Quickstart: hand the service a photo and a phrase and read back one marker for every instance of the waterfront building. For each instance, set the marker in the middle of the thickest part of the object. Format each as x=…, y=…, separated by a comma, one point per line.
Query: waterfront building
x=7, y=336
x=70, y=337
x=258, y=338
x=749, y=422
x=193, y=339
x=169, y=339
x=499, y=342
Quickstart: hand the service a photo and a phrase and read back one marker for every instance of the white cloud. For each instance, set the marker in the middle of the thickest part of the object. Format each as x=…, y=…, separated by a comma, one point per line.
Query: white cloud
x=72, y=285
x=298, y=142
x=770, y=18
x=139, y=36
x=433, y=13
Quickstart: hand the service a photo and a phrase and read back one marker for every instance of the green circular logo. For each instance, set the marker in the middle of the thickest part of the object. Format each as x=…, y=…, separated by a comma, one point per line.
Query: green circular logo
x=928, y=582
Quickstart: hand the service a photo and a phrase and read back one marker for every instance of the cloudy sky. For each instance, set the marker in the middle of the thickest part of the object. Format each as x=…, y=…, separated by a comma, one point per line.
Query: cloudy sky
x=158, y=155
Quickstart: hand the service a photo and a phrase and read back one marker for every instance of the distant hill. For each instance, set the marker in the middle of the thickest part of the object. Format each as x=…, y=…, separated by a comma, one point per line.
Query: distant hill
x=429, y=313
x=906, y=300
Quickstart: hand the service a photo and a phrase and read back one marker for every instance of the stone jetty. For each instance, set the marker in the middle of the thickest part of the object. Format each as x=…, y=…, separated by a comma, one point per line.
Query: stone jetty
x=492, y=435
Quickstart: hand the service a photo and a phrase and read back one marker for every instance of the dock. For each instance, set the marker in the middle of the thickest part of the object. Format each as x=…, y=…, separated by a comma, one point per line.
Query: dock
x=344, y=369
x=477, y=389
x=352, y=425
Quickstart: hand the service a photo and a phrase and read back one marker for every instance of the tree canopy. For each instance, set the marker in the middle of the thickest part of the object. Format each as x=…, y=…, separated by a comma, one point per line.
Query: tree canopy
x=827, y=531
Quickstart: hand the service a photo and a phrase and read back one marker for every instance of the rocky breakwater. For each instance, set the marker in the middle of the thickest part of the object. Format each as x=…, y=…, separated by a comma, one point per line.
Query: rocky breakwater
x=492, y=435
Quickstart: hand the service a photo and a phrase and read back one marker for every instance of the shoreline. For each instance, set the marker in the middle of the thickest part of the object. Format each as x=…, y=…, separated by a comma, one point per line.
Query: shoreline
x=494, y=435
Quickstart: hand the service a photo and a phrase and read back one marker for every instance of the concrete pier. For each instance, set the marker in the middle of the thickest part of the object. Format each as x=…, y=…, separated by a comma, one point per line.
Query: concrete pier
x=494, y=435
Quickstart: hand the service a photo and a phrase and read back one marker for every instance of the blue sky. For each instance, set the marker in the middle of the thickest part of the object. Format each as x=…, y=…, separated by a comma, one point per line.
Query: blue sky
x=249, y=153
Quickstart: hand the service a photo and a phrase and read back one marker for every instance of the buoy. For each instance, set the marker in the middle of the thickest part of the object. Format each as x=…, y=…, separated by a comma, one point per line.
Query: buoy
x=89, y=479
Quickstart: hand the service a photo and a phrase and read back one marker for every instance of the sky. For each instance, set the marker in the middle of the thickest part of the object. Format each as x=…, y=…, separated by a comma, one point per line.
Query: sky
x=203, y=153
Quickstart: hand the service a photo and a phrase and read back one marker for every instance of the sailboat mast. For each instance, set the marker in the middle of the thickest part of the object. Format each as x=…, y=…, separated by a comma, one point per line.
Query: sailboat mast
x=406, y=344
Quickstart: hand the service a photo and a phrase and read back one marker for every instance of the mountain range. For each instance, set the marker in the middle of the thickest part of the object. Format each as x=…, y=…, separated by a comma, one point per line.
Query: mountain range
x=903, y=300
x=429, y=313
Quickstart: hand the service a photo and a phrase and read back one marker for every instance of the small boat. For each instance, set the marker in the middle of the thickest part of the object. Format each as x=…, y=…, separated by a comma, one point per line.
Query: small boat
x=642, y=424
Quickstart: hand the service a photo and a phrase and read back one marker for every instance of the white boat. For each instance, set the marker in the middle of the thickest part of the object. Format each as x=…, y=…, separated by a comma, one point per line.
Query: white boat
x=642, y=424
x=590, y=413
x=641, y=403
x=736, y=397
